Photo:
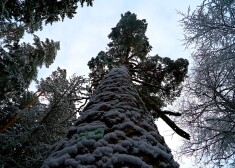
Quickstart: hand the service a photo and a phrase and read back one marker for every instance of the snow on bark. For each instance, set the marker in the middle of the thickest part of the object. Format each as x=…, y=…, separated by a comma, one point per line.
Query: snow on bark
x=114, y=130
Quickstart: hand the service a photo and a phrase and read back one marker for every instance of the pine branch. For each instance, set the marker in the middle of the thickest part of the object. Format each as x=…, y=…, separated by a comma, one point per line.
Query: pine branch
x=162, y=114
x=14, y=30
x=172, y=124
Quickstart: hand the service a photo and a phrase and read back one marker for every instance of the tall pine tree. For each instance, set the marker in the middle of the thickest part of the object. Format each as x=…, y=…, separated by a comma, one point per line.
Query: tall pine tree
x=157, y=79
x=116, y=128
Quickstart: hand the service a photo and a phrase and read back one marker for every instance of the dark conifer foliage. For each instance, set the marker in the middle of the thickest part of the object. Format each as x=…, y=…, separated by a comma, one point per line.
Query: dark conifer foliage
x=19, y=66
x=18, y=17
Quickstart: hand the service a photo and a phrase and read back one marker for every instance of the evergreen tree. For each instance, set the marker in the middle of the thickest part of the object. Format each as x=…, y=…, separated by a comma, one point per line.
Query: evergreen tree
x=19, y=62
x=114, y=130
x=33, y=135
x=158, y=80
x=21, y=112
x=18, y=67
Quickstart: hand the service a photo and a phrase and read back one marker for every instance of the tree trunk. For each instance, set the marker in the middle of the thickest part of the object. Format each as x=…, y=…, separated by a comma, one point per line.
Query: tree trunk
x=114, y=130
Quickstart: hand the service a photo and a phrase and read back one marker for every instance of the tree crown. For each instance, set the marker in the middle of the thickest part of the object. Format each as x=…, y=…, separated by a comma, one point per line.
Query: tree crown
x=129, y=46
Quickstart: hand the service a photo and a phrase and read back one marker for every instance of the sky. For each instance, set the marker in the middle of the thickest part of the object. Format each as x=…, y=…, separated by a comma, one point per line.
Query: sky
x=83, y=36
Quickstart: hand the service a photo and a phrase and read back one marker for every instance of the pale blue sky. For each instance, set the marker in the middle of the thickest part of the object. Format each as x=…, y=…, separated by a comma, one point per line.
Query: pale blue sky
x=86, y=34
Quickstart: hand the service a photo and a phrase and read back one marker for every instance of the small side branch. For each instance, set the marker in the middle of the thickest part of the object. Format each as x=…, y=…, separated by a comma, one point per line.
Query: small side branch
x=172, y=124
x=162, y=114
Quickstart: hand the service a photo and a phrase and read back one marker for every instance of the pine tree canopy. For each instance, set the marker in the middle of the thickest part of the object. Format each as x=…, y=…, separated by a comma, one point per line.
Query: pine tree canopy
x=19, y=61
x=158, y=80
x=19, y=65
x=19, y=16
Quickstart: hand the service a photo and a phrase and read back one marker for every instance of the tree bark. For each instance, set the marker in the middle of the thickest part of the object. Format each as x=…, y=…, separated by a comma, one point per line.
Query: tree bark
x=114, y=130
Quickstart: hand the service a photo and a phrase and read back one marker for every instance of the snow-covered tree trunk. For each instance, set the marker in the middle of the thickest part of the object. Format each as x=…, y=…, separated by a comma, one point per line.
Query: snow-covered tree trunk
x=114, y=130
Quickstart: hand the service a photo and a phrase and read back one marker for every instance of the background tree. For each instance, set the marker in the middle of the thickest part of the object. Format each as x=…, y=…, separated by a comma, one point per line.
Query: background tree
x=32, y=137
x=209, y=103
x=19, y=62
x=157, y=79
x=22, y=113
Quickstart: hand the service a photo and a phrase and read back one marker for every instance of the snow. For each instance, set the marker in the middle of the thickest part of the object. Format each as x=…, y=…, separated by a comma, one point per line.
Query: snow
x=57, y=161
x=68, y=150
x=114, y=135
x=103, y=151
x=86, y=158
x=114, y=130
x=71, y=162
x=125, y=159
